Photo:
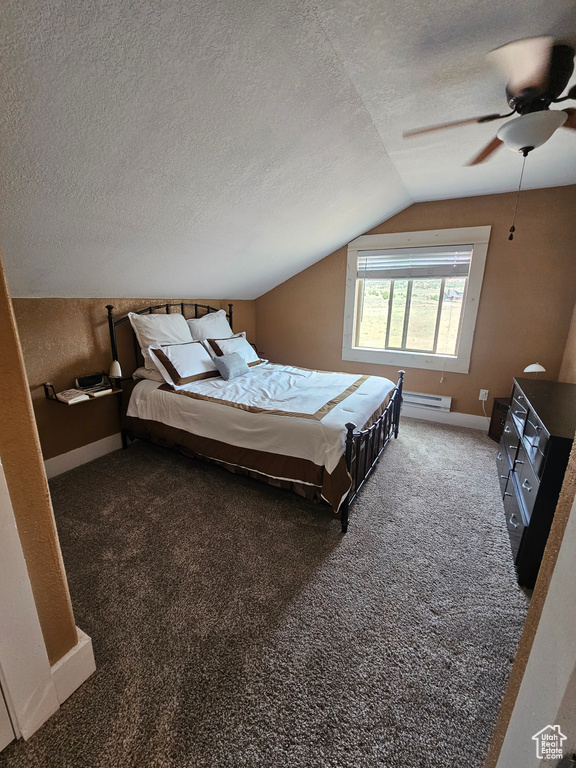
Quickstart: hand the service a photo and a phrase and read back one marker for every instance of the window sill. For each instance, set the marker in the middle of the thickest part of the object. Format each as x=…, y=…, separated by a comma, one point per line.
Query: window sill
x=407, y=359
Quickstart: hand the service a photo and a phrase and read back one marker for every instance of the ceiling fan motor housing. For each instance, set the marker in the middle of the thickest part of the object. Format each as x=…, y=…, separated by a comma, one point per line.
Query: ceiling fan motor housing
x=538, y=72
x=559, y=73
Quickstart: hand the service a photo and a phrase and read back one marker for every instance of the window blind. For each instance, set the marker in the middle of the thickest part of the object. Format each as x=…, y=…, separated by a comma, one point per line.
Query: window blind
x=398, y=263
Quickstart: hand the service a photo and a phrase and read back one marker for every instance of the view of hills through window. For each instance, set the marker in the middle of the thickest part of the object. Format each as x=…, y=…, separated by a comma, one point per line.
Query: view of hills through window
x=420, y=315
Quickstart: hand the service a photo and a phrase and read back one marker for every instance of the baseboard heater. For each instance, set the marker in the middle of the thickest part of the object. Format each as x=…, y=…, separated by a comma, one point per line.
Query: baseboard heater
x=427, y=402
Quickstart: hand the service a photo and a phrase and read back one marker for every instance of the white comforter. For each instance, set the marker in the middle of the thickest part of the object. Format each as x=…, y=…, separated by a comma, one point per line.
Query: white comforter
x=273, y=408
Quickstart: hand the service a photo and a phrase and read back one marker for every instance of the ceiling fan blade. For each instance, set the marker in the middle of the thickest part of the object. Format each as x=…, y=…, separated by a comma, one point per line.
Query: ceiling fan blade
x=525, y=63
x=454, y=124
x=571, y=122
x=486, y=152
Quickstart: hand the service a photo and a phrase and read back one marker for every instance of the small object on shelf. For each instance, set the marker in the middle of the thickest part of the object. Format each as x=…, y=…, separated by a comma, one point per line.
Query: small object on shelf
x=98, y=392
x=95, y=384
x=104, y=387
x=498, y=418
x=77, y=395
x=71, y=396
x=91, y=381
x=115, y=370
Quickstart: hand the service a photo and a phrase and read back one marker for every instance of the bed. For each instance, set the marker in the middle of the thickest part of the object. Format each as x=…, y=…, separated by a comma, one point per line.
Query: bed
x=317, y=433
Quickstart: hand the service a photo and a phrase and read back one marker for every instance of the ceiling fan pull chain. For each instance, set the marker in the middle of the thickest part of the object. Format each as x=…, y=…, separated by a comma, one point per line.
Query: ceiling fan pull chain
x=513, y=228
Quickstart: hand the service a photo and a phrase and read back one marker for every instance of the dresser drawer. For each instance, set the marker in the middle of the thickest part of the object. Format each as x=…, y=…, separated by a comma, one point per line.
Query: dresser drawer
x=503, y=473
x=502, y=462
x=514, y=523
x=510, y=440
x=529, y=484
x=536, y=438
x=519, y=410
x=521, y=459
x=509, y=428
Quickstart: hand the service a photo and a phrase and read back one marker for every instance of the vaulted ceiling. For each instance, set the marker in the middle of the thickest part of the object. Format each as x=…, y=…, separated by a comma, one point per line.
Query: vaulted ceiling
x=214, y=149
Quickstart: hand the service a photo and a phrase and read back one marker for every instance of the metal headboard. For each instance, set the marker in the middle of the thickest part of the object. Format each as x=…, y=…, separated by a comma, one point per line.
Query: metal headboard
x=199, y=311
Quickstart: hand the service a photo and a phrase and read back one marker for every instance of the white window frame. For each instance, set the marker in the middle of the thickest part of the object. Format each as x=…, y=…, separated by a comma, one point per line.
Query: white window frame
x=460, y=363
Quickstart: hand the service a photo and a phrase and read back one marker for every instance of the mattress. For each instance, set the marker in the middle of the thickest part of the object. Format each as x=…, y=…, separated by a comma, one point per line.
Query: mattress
x=282, y=421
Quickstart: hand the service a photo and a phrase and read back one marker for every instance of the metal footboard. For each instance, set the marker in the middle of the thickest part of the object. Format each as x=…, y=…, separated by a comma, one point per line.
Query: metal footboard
x=364, y=446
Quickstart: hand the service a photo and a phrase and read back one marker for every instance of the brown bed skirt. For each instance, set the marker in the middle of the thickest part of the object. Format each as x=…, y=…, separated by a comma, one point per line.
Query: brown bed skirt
x=306, y=478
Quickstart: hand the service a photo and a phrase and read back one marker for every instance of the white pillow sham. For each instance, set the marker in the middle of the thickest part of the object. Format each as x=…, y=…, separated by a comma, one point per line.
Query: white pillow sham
x=236, y=344
x=181, y=364
x=214, y=350
x=156, y=330
x=214, y=325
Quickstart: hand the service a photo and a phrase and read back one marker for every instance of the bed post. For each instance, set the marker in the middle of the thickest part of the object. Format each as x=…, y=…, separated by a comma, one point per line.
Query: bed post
x=114, y=348
x=348, y=456
x=398, y=404
x=112, y=330
x=230, y=316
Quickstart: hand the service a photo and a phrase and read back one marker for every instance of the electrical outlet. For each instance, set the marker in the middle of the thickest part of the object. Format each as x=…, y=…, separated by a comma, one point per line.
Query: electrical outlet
x=483, y=394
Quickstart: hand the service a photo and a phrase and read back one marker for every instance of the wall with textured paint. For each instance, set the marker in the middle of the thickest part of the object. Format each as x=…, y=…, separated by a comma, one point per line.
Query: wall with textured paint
x=64, y=338
x=28, y=488
x=525, y=309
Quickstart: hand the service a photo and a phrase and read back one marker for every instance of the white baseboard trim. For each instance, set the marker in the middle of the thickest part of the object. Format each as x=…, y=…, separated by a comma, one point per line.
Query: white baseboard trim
x=82, y=455
x=447, y=417
x=74, y=668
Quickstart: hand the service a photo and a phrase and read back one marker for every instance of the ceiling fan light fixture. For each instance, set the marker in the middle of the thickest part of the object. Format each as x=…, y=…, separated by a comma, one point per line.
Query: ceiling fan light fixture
x=529, y=131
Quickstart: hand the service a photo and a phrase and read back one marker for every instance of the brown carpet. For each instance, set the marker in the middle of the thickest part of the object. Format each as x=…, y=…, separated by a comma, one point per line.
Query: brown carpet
x=233, y=624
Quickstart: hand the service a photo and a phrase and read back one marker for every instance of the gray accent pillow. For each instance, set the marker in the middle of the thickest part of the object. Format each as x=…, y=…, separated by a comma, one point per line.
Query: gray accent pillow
x=230, y=366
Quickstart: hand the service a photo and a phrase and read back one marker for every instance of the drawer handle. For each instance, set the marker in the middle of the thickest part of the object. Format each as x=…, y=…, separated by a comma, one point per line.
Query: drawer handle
x=518, y=462
x=537, y=427
x=520, y=397
x=526, y=485
x=511, y=521
x=508, y=494
x=507, y=429
x=499, y=457
x=504, y=477
x=521, y=412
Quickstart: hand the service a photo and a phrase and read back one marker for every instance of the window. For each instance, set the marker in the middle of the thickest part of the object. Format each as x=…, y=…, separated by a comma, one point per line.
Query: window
x=412, y=298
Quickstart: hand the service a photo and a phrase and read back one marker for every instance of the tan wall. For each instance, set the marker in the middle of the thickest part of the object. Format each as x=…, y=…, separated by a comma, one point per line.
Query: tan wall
x=64, y=338
x=525, y=309
x=28, y=489
x=568, y=368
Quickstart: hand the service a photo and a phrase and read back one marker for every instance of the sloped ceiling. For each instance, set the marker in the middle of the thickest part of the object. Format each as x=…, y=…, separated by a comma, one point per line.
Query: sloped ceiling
x=186, y=148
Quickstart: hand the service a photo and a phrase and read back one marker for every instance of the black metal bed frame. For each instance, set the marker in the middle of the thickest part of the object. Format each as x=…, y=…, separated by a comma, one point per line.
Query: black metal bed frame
x=112, y=323
x=363, y=446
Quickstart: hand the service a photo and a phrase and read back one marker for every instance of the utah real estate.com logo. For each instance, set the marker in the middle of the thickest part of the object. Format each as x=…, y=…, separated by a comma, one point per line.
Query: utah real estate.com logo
x=549, y=743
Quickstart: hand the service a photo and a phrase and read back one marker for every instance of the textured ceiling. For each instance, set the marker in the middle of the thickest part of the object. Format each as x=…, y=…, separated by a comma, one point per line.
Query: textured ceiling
x=214, y=149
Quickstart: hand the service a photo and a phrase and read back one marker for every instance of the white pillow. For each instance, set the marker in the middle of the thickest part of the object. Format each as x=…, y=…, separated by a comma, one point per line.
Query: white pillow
x=181, y=364
x=214, y=325
x=213, y=350
x=142, y=373
x=236, y=344
x=155, y=330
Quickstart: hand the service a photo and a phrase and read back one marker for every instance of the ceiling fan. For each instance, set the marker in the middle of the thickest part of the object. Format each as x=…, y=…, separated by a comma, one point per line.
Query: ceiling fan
x=537, y=70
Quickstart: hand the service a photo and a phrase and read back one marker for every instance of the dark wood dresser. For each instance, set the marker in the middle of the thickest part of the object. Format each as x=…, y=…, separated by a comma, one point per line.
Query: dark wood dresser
x=532, y=459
